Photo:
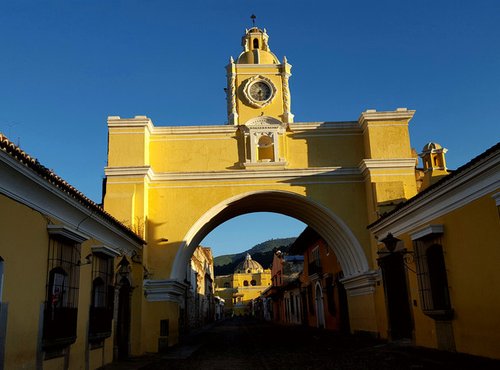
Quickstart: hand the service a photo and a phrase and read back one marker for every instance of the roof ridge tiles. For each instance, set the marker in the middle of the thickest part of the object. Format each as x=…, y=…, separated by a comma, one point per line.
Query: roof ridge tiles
x=51, y=177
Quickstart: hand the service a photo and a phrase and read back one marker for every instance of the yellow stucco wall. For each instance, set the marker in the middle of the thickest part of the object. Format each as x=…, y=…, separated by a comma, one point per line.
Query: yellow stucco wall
x=470, y=244
x=24, y=290
x=472, y=234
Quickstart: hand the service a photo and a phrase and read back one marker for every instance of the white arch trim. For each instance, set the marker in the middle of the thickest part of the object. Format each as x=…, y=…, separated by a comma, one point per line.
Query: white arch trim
x=335, y=232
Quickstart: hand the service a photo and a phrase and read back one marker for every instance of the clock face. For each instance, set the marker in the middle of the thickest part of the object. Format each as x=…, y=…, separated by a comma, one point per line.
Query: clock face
x=260, y=91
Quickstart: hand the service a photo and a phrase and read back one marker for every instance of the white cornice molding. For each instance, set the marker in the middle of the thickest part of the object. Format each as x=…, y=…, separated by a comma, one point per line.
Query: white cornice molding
x=265, y=165
x=319, y=127
x=67, y=232
x=190, y=130
x=132, y=171
x=105, y=250
x=264, y=123
x=366, y=165
x=233, y=175
x=168, y=290
x=371, y=115
x=23, y=185
x=361, y=284
x=428, y=230
x=481, y=179
x=308, y=126
x=117, y=122
x=496, y=197
x=137, y=121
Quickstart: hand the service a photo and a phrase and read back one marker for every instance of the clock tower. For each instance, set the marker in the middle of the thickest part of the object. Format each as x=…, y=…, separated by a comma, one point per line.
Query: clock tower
x=257, y=83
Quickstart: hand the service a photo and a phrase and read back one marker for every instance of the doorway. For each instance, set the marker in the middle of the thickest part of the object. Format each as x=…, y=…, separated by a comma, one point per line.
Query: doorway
x=123, y=321
x=396, y=294
x=320, y=310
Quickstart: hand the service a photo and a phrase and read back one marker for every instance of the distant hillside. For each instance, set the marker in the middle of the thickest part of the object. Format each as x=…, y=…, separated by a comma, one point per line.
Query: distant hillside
x=262, y=253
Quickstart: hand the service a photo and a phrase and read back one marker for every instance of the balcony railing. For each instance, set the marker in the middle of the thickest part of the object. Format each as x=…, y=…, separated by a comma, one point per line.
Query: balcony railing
x=314, y=268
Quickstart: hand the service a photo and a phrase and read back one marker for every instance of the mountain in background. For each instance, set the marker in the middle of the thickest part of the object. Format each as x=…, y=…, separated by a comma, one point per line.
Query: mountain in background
x=262, y=253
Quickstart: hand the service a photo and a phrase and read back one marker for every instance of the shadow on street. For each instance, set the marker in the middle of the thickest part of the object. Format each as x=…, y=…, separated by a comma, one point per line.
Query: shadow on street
x=244, y=343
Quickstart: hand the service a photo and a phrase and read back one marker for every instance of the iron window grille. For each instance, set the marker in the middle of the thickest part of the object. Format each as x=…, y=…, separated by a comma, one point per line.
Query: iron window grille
x=61, y=305
x=432, y=278
x=101, y=308
x=314, y=265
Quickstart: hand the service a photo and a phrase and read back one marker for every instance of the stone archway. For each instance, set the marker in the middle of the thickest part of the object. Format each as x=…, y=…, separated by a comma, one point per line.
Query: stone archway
x=338, y=236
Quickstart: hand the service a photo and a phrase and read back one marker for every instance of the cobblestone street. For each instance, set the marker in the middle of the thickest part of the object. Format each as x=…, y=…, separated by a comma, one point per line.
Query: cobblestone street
x=246, y=344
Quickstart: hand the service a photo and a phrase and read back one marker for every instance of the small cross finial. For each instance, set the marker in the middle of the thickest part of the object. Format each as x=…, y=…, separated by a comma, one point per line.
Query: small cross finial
x=253, y=19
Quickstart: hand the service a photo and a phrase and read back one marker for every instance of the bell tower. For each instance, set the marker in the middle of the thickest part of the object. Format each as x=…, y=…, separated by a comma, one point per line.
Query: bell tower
x=257, y=83
x=433, y=158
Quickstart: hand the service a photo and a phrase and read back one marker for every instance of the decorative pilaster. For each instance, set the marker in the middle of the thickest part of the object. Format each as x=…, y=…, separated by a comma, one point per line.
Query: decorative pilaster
x=285, y=75
x=232, y=114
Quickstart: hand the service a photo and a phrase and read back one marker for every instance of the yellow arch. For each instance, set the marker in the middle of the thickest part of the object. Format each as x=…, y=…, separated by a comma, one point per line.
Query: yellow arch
x=335, y=232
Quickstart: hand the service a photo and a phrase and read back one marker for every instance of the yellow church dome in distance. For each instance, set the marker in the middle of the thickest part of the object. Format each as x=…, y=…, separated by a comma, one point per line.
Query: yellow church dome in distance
x=256, y=48
x=248, y=266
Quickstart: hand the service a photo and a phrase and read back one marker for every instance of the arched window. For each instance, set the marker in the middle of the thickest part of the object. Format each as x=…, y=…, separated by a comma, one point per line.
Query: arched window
x=253, y=283
x=266, y=149
x=245, y=283
x=98, y=293
x=255, y=43
x=58, y=288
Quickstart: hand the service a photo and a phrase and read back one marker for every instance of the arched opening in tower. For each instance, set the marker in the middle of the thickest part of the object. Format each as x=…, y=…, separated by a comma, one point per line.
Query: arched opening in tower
x=266, y=149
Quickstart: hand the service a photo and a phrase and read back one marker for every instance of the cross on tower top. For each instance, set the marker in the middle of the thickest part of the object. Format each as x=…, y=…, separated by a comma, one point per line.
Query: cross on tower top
x=253, y=17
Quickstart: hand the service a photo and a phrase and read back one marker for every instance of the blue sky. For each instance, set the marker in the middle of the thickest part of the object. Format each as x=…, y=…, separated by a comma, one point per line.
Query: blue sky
x=67, y=65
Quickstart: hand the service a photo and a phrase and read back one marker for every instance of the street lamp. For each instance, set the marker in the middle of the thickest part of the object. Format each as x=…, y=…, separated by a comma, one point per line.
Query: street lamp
x=390, y=242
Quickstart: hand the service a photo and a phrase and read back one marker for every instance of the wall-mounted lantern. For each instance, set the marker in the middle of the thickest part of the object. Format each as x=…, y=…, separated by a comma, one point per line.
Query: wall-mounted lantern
x=390, y=242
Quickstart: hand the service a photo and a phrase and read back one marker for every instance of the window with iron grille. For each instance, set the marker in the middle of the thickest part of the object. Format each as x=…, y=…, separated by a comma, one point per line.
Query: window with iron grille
x=101, y=308
x=432, y=278
x=314, y=266
x=61, y=305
